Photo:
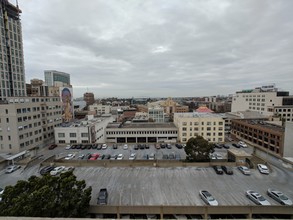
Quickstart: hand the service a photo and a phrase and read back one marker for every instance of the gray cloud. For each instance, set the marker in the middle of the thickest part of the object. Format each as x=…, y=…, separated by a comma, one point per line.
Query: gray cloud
x=160, y=47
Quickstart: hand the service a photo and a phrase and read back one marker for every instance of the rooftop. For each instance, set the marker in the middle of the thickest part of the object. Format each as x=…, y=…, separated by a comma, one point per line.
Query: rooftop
x=142, y=125
x=198, y=115
x=265, y=124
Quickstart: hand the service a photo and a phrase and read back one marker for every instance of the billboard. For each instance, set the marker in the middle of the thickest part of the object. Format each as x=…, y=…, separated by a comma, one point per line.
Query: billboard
x=66, y=96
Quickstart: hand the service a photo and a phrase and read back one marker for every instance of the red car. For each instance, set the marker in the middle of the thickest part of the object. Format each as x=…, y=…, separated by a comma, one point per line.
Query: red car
x=94, y=156
x=52, y=146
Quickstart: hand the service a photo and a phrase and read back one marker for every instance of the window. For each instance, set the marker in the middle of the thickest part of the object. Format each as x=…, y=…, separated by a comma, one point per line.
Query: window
x=61, y=135
x=72, y=134
x=84, y=135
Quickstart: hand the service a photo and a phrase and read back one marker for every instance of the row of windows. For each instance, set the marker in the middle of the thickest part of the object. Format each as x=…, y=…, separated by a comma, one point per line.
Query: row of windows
x=203, y=123
x=184, y=134
x=208, y=139
x=202, y=128
x=140, y=132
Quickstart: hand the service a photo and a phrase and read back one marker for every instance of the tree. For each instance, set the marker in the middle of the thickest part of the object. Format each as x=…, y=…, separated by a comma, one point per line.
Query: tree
x=198, y=150
x=47, y=196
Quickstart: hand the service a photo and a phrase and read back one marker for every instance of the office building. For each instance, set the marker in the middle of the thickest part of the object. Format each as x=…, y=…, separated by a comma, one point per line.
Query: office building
x=57, y=78
x=141, y=132
x=27, y=123
x=89, y=130
x=12, y=76
x=262, y=99
x=100, y=109
x=208, y=125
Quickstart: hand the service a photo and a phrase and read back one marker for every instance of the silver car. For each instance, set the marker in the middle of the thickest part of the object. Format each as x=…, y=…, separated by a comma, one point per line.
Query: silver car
x=12, y=168
x=244, y=170
x=257, y=198
x=279, y=197
x=208, y=198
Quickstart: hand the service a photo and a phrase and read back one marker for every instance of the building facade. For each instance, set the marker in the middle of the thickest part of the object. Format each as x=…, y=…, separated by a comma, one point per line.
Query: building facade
x=262, y=99
x=12, y=76
x=284, y=112
x=141, y=132
x=100, y=109
x=156, y=114
x=28, y=122
x=82, y=131
x=57, y=78
x=267, y=136
x=208, y=125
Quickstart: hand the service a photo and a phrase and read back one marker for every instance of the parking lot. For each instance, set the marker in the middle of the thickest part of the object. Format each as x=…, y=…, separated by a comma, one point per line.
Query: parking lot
x=166, y=186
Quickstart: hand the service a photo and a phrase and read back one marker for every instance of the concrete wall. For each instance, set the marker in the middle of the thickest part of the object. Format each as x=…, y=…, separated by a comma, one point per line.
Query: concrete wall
x=288, y=140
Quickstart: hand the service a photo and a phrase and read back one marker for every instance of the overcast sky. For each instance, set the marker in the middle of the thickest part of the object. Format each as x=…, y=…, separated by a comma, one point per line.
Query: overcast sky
x=146, y=48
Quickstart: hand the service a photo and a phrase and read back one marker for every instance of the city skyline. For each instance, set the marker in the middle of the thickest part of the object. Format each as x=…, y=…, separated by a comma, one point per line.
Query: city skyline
x=160, y=48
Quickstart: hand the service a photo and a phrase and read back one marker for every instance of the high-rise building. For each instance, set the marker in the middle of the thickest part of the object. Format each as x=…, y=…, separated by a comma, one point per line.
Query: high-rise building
x=57, y=78
x=12, y=80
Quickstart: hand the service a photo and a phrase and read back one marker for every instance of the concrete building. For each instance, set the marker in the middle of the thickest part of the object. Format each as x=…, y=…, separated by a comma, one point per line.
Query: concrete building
x=156, y=114
x=208, y=125
x=288, y=147
x=91, y=130
x=100, y=109
x=57, y=78
x=12, y=76
x=37, y=88
x=28, y=122
x=262, y=99
x=284, y=112
x=170, y=107
x=141, y=132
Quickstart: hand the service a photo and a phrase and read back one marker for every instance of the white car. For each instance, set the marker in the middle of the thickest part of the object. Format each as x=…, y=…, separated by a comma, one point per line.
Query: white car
x=69, y=156
x=242, y=144
x=279, y=197
x=125, y=147
x=67, y=147
x=132, y=156
x=12, y=168
x=152, y=156
x=120, y=157
x=67, y=169
x=104, y=146
x=208, y=198
x=57, y=170
x=257, y=198
x=263, y=169
x=244, y=170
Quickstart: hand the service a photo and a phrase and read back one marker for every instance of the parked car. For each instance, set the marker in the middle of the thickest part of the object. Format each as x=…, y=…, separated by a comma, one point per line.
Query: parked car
x=242, y=144
x=179, y=146
x=236, y=145
x=88, y=156
x=162, y=145
x=135, y=147
x=46, y=169
x=244, y=170
x=94, y=146
x=52, y=146
x=256, y=198
x=102, y=197
x=79, y=146
x=104, y=146
x=57, y=170
x=107, y=156
x=125, y=147
x=120, y=157
x=67, y=169
x=73, y=146
x=152, y=156
x=83, y=147
x=141, y=146
x=263, y=169
x=99, y=147
x=147, y=146
x=132, y=156
x=114, y=157
x=219, y=146
x=208, y=198
x=279, y=197
x=227, y=170
x=68, y=147
x=145, y=157
x=81, y=156
x=69, y=156
x=94, y=156
x=226, y=146
x=169, y=146
x=157, y=146
x=12, y=168
x=115, y=146
x=218, y=170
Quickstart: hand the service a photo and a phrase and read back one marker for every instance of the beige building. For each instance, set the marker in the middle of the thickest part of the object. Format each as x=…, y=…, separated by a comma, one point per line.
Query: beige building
x=100, y=109
x=208, y=125
x=28, y=122
x=262, y=99
x=170, y=107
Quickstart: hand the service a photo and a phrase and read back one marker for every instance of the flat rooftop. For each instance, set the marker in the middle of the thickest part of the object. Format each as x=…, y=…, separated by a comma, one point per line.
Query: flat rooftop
x=264, y=124
x=142, y=125
x=198, y=115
